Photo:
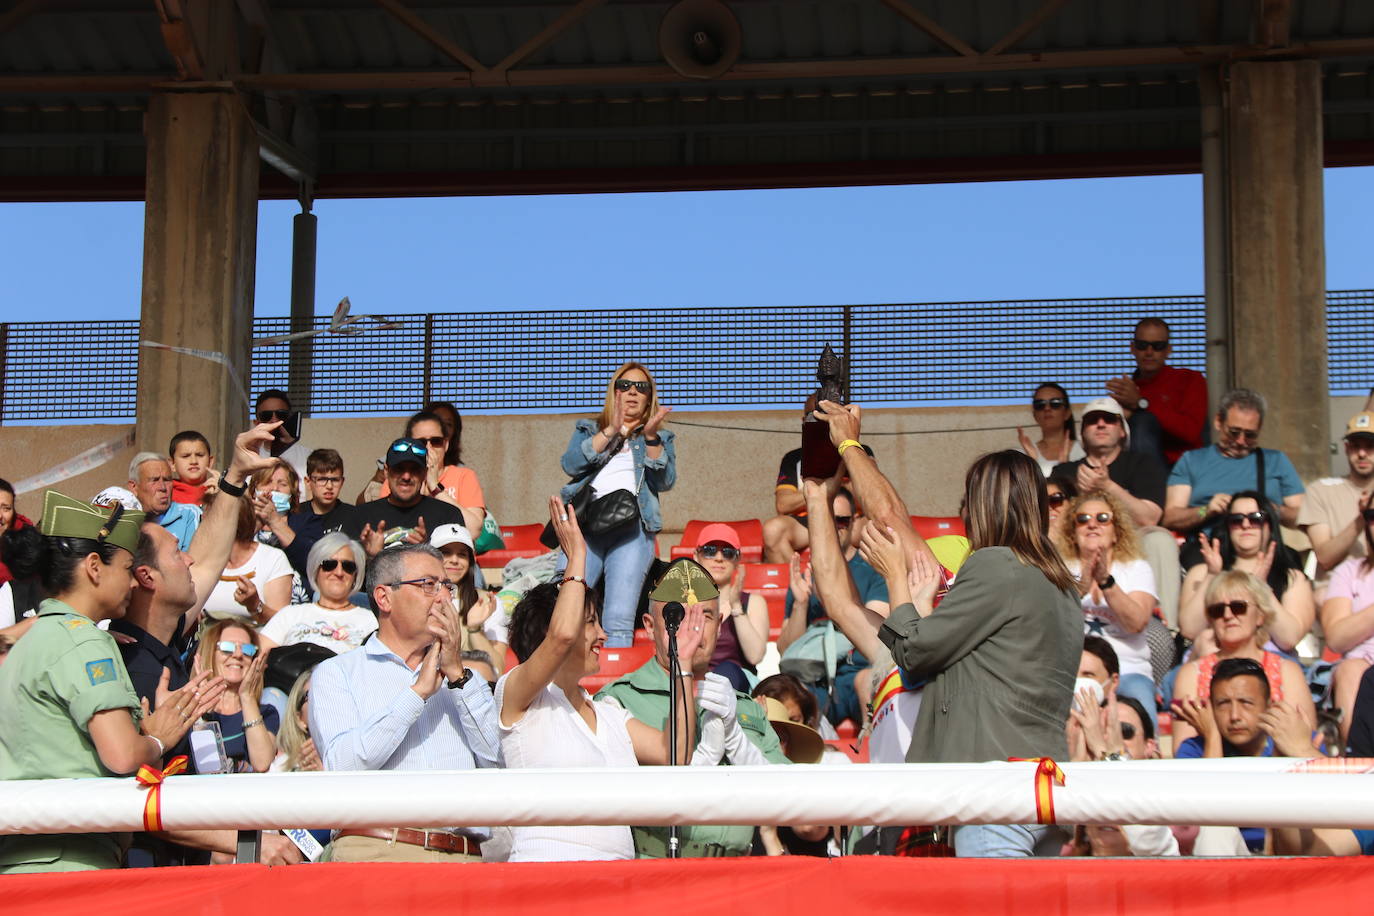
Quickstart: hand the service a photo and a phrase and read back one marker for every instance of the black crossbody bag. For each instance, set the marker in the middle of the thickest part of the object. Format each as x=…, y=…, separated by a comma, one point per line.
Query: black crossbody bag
x=605, y=514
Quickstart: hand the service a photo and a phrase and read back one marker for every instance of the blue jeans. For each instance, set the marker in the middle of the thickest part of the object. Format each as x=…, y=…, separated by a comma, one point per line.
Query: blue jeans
x=1007, y=841
x=1141, y=688
x=624, y=558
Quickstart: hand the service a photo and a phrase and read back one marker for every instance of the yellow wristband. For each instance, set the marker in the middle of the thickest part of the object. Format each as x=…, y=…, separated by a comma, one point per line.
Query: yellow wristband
x=848, y=443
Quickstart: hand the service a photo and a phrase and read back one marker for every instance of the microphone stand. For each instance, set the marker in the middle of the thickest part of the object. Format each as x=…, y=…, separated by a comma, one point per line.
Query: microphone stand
x=673, y=613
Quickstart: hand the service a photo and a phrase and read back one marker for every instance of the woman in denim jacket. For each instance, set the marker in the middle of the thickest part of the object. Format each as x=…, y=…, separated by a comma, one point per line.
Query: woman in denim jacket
x=642, y=460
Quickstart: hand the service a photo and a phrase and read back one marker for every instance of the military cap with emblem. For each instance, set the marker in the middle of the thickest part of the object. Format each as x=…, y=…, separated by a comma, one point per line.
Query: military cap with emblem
x=64, y=517
x=686, y=581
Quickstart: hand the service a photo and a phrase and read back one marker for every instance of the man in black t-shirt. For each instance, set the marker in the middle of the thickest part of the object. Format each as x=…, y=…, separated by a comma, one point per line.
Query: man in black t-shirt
x=405, y=515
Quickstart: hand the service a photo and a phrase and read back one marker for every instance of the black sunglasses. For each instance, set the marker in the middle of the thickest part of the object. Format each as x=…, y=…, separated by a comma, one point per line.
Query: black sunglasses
x=1249, y=435
x=1238, y=519
x=1127, y=731
x=1236, y=606
x=624, y=384
x=1058, y=499
x=331, y=564
x=710, y=550
x=1159, y=346
x=434, y=441
x=267, y=416
x=843, y=521
x=1055, y=403
x=1090, y=419
x=1102, y=518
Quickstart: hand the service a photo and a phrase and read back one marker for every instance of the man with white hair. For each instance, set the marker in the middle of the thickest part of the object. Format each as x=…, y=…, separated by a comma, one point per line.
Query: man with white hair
x=150, y=480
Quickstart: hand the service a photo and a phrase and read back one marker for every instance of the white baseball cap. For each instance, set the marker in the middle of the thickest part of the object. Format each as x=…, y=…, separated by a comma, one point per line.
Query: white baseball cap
x=450, y=534
x=1110, y=406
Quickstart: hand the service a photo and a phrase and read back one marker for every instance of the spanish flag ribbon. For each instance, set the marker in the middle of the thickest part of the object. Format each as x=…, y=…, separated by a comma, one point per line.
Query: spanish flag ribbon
x=1047, y=775
x=151, y=778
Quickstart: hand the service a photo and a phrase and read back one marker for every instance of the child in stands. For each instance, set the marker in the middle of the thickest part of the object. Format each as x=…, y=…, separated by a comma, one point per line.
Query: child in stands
x=194, y=466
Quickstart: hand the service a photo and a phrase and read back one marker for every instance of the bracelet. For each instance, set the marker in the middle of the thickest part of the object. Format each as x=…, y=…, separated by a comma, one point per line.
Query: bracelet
x=846, y=444
x=248, y=725
x=567, y=579
x=161, y=750
x=1201, y=511
x=655, y=441
x=235, y=490
x=1107, y=583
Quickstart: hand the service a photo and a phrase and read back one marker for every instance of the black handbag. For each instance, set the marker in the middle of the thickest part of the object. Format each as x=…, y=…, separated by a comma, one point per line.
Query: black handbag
x=600, y=516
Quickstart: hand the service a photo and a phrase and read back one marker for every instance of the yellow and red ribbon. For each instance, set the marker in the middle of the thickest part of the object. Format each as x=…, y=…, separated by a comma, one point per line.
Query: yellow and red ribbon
x=1048, y=774
x=151, y=778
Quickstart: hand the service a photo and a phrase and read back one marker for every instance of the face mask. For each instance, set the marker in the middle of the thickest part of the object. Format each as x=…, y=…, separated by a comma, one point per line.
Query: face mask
x=282, y=502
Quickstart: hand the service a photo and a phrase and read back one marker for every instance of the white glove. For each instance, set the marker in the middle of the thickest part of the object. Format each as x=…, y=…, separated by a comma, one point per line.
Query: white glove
x=717, y=695
x=739, y=749
x=710, y=743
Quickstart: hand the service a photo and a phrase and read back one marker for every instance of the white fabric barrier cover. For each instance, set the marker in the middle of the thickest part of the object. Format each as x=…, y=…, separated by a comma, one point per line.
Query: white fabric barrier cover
x=1251, y=792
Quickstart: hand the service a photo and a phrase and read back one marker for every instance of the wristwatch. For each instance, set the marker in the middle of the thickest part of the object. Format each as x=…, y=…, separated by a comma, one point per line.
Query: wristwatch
x=1142, y=404
x=1107, y=583
x=461, y=682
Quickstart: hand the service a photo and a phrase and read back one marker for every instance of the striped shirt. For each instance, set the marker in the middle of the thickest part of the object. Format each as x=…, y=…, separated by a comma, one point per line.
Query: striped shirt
x=364, y=716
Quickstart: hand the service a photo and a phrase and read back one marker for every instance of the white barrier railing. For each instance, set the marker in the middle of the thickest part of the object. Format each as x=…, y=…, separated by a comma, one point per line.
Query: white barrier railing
x=1249, y=792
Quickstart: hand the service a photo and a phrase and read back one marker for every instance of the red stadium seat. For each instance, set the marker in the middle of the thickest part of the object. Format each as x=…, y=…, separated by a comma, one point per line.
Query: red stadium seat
x=521, y=541
x=750, y=533
x=765, y=577
x=777, y=609
x=933, y=526
x=615, y=662
x=847, y=746
x=847, y=730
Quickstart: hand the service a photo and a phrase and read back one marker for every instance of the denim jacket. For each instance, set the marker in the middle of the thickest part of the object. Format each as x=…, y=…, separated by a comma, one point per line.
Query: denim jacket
x=653, y=475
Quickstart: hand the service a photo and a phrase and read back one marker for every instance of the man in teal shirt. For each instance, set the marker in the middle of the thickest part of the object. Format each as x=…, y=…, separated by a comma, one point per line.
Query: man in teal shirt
x=644, y=694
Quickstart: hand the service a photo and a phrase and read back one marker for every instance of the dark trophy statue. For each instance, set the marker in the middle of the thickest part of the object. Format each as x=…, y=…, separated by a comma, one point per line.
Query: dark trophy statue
x=819, y=456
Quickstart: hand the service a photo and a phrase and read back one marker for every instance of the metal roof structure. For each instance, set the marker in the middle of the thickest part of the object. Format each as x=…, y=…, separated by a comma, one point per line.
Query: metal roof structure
x=413, y=97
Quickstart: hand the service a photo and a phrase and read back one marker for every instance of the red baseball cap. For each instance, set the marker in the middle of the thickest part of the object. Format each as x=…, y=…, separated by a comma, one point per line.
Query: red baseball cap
x=717, y=531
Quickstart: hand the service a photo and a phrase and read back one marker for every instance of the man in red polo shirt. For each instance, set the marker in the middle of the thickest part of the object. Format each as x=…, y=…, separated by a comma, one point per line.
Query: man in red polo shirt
x=1175, y=398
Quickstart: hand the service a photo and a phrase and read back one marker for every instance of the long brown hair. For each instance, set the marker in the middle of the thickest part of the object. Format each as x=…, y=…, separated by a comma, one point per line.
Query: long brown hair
x=608, y=411
x=1006, y=505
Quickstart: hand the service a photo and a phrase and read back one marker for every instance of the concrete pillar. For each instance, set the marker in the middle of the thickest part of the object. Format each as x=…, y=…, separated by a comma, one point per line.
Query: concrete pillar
x=199, y=249
x=1276, y=252
x=304, y=232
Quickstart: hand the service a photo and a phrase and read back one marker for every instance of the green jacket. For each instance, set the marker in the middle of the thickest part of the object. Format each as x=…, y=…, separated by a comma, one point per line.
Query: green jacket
x=644, y=694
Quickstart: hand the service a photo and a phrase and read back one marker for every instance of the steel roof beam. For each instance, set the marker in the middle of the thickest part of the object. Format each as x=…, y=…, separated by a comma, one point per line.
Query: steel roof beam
x=930, y=27
x=450, y=48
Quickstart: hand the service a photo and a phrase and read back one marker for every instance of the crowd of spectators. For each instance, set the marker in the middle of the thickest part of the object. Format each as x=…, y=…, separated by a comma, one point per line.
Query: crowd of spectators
x=1120, y=589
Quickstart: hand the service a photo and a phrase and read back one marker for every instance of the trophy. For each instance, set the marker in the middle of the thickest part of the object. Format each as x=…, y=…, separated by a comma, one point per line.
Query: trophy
x=820, y=459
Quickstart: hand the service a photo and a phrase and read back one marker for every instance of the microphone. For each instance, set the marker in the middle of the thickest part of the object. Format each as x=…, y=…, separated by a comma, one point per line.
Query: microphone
x=673, y=612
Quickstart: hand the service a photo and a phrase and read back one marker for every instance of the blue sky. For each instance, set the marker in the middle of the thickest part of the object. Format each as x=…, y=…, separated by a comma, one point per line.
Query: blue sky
x=1000, y=240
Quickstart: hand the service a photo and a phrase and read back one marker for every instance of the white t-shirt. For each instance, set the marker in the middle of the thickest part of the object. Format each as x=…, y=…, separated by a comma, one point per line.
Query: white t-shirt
x=1049, y=464
x=266, y=564
x=553, y=734
x=616, y=474
x=1132, y=649
x=340, y=631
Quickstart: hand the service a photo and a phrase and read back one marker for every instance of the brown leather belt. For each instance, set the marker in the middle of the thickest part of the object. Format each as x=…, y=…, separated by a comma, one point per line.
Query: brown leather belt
x=440, y=840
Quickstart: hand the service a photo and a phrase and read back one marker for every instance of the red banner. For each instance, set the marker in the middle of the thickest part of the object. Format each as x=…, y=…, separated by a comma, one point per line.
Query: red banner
x=860, y=884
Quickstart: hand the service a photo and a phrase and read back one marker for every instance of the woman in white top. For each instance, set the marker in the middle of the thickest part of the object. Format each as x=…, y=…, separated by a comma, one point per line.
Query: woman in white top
x=1054, y=415
x=336, y=565
x=257, y=582
x=547, y=718
x=1102, y=549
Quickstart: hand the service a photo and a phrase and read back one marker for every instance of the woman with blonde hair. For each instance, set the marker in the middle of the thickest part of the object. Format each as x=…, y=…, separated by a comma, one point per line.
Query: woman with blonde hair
x=296, y=750
x=1240, y=609
x=624, y=459
x=231, y=650
x=1116, y=585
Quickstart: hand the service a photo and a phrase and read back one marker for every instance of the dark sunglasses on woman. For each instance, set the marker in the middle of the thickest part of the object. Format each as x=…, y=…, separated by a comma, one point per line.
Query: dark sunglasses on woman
x=1239, y=519
x=1055, y=403
x=1058, y=499
x=1102, y=518
x=624, y=384
x=348, y=566
x=710, y=550
x=1236, y=606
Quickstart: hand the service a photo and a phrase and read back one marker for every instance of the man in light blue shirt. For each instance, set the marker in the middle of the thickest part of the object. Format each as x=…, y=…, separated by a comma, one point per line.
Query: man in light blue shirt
x=404, y=701
x=150, y=480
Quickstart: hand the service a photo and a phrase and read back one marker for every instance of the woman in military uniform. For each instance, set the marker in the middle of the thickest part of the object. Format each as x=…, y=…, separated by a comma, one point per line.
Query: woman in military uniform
x=69, y=709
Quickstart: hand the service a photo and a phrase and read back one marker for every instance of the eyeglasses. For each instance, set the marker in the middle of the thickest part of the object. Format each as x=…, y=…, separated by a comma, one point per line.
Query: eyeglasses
x=624, y=384
x=843, y=521
x=1236, y=606
x=1249, y=435
x=267, y=416
x=409, y=447
x=1053, y=403
x=1244, y=519
x=326, y=481
x=1102, y=518
x=710, y=550
x=331, y=564
x=434, y=441
x=227, y=646
x=1090, y=419
x=1127, y=731
x=1058, y=499
x=1159, y=346
x=427, y=584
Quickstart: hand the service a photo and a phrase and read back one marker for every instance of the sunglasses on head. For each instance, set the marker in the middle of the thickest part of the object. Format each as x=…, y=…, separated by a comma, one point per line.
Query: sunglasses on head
x=1240, y=519
x=1236, y=606
x=1054, y=403
x=267, y=416
x=1249, y=435
x=331, y=564
x=1102, y=518
x=227, y=646
x=710, y=550
x=1159, y=346
x=1058, y=499
x=410, y=448
x=624, y=384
